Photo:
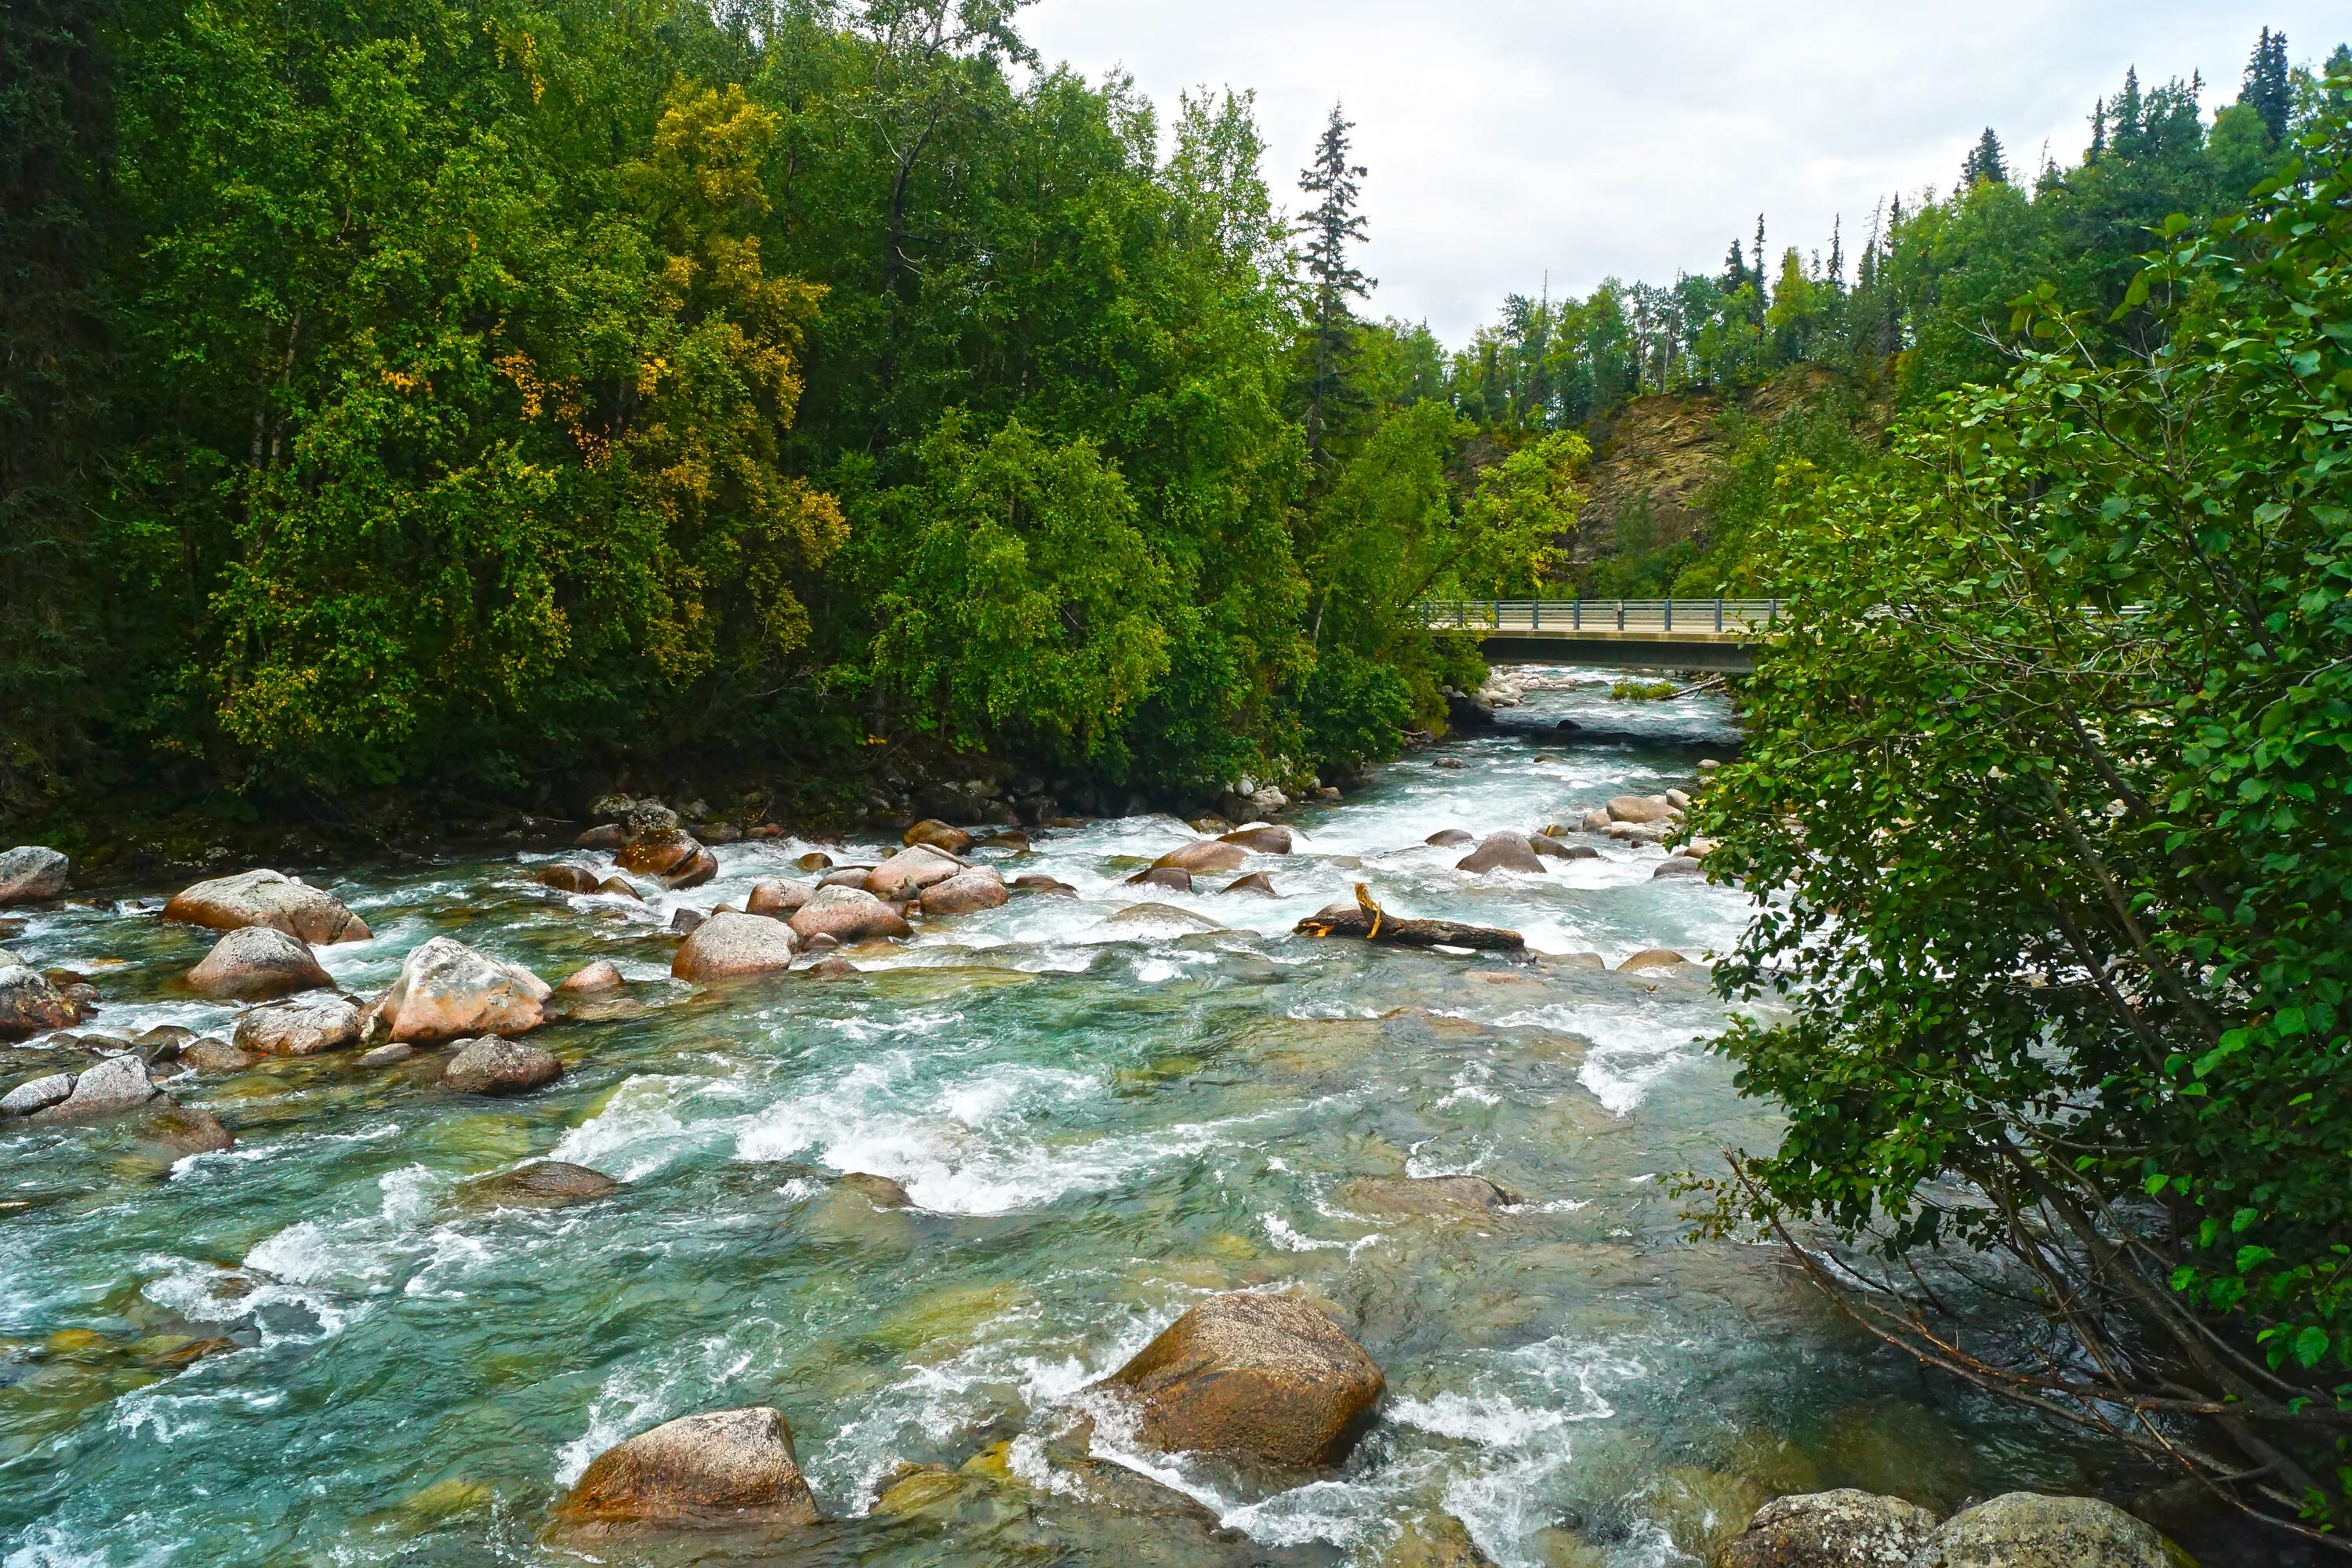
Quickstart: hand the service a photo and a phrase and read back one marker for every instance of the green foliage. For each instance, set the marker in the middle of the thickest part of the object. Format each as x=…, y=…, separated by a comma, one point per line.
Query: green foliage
x=1642, y=691
x=2044, y=795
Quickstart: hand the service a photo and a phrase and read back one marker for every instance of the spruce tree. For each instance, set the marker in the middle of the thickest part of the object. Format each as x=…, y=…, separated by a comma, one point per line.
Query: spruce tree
x=1734, y=269
x=2268, y=92
x=1763, y=299
x=1332, y=225
x=2098, y=131
x=2128, y=131
x=1837, y=252
x=1985, y=162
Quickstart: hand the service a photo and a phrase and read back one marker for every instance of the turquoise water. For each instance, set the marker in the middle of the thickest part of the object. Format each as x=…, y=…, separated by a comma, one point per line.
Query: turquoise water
x=308, y=1350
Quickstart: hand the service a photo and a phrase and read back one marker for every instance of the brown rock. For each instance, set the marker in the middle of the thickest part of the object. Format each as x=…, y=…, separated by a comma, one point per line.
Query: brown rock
x=598, y=979
x=774, y=896
x=604, y=835
x=1842, y=1529
x=31, y=873
x=1174, y=877
x=30, y=1004
x=620, y=887
x=494, y=1065
x=880, y=1191
x=912, y=870
x=1551, y=848
x=1260, y=841
x=1011, y=838
x=1449, y=838
x=208, y=1054
x=1638, y=808
x=446, y=991
x=665, y=852
x=1501, y=852
x=1255, y=882
x=1036, y=882
x=939, y=835
x=1433, y=1541
x=1205, y=855
x=968, y=893
x=832, y=966
x=686, y=922
x=1654, y=958
x=255, y=964
x=1679, y=866
x=267, y=898
x=814, y=860
x=2030, y=1530
x=847, y=914
x=566, y=878
x=1424, y=1194
x=731, y=946
x=723, y=1468
x=176, y=1131
x=1254, y=1376
x=546, y=1184
x=387, y=1056
x=299, y=1028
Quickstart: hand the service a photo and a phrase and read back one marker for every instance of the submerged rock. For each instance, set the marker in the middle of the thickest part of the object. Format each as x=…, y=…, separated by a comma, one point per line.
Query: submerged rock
x=1433, y=1541
x=1842, y=1529
x=1253, y=1376
x=728, y=946
x=880, y=1191
x=445, y=989
x=1501, y=852
x=1162, y=915
x=546, y=1184
x=1424, y=1194
x=1654, y=958
x=1448, y=839
x=847, y=914
x=966, y=893
x=176, y=1131
x=299, y=1028
x=722, y=1469
x=31, y=873
x=1037, y=882
x=267, y=898
x=598, y=979
x=256, y=963
x=30, y=1004
x=494, y=1065
x=2027, y=1529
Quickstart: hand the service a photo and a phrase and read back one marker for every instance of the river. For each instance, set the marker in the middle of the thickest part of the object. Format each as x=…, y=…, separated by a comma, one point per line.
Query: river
x=1099, y=1121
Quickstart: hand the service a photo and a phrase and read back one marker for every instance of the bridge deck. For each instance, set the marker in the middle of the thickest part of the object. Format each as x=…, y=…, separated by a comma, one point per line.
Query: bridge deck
x=1680, y=634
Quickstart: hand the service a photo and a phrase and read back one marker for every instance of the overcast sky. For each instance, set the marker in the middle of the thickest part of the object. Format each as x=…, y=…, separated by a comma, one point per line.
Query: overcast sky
x=1508, y=140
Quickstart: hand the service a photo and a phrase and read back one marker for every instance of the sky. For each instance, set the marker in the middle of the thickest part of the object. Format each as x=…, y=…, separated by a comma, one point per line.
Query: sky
x=1516, y=144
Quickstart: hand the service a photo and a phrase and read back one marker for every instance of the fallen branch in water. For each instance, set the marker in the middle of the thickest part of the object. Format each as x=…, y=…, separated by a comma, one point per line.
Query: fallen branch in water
x=1712, y=683
x=1367, y=919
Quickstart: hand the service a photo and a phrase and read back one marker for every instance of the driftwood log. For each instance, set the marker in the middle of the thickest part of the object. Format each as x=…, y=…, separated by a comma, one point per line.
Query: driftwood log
x=1367, y=919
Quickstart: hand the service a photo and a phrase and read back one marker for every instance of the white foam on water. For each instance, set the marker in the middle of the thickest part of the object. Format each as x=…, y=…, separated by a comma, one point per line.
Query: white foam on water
x=663, y=1384
x=167, y=1414
x=1631, y=1047
x=648, y=1122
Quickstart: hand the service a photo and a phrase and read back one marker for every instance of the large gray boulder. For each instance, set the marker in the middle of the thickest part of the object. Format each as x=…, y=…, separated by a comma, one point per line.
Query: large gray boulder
x=256, y=963
x=730, y=1469
x=912, y=870
x=729, y=945
x=446, y=991
x=29, y=1002
x=1501, y=852
x=846, y=915
x=31, y=872
x=1254, y=1376
x=1842, y=1529
x=2028, y=1530
x=299, y=1028
x=37, y=1094
x=267, y=898
x=494, y=1065
x=114, y=1086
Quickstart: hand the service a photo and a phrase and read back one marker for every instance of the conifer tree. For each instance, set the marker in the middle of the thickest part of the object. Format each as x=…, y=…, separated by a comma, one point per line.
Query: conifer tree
x=1734, y=269
x=1985, y=162
x=1837, y=252
x=1763, y=299
x=2128, y=131
x=2268, y=92
x=1332, y=225
x=2098, y=131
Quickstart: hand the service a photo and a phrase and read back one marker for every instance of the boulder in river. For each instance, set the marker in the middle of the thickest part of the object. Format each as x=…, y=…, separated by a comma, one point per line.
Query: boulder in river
x=2028, y=1530
x=30, y=1004
x=685, y=922
x=939, y=835
x=1424, y=1194
x=1679, y=866
x=493, y=1065
x=267, y=898
x=1842, y=1529
x=387, y=1056
x=730, y=946
x=299, y=1028
x=256, y=963
x=814, y=860
x=1596, y=821
x=211, y=1055
x=965, y=894
x=672, y=855
x=1501, y=852
x=620, y=887
x=31, y=873
x=600, y=978
x=847, y=914
x=1038, y=882
x=37, y=1094
x=1365, y=919
x=1449, y=838
x=1203, y=855
x=1257, y=882
x=175, y=1131
x=1551, y=848
x=880, y=1191
x=1163, y=915
x=774, y=896
x=912, y=870
x=543, y=1184
x=1654, y=958
x=447, y=990
x=729, y=1469
x=1254, y=1376
x=604, y=835
x=1173, y=878
x=1433, y=1541
x=1640, y=808
x=114, y=1086
x=566, y=878
x=1262, y=839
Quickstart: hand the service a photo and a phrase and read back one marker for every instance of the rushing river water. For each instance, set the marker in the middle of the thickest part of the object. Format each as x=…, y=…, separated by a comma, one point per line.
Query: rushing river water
x=1099, y=1121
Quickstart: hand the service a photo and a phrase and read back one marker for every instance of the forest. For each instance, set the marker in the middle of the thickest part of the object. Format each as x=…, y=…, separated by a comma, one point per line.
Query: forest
x=452, y=395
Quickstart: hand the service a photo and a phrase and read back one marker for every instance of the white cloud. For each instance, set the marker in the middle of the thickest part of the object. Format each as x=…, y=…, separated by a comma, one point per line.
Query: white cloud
x=1508, y=141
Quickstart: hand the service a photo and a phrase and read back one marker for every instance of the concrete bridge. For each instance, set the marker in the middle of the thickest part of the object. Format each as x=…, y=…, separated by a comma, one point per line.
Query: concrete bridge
x=1622, y=634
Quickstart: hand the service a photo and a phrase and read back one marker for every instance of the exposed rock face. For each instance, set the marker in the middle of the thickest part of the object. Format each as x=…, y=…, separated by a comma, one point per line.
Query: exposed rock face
x=37, y=1094
x=1501, y=852
x=1551, y=848
x=1638, y=808
x=1262, y=840
x=1449, y=838
x=566, y=878
x=726, y=946
x=114, y=1086
x=255, y=964
x=670, y=854
x=2027, y=1529
x=1174, y=877
x=548, y=1185
x=299, y=1028
x=30, y=1004
x=447, y=990
x=939, y=835
x=1424, y=1194
x=1254, y=1376
x=910, y=871
x=846, y=915
x=494, y=1065
x=267, y=898
x=598, y=979
x=880, y=1191
x=1206, y=855
x=1255, y=882
x=31, y=872
x=1842, y=1529
x=774, y=896
x=724, y=1468
x=1654, y=958
x=966, y=893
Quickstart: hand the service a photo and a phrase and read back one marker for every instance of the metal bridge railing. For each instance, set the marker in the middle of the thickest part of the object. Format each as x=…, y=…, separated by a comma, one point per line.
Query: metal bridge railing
x=1658, y=616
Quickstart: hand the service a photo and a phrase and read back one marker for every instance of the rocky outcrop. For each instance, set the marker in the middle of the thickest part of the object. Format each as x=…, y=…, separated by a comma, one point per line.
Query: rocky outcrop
x=1252, y=1376
x=730, y=946
x=1843, y=1529
x=1501, y=852
x=774, y=896
x=446, y=991
x=299, y=1028
x=257, y=963
x=1205, y=855
x=548, y=1185
x=494, y=1065
x=31, y=873
x=967, y=892
x=29, y=1002
x=1424, y=1194
x=600, y=978
x=267, y=898
x=910, y=871
x=722, y=1469
x=938, y=835
x=846, y=915
x=2027, y=1529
